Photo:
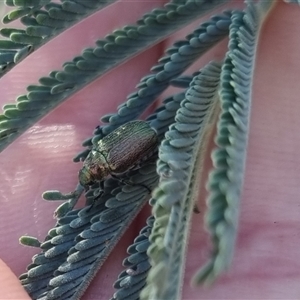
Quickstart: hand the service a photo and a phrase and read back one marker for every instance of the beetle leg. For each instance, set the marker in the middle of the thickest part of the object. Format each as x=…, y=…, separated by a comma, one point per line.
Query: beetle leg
x=130, y=183
x=98, y=195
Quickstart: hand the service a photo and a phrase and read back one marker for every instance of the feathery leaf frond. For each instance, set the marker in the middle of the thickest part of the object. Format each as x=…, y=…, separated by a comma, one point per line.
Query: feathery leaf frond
x=177, y=59
x=226, y=180
x=179, y=158
x=43, y=20
x=133, y=279
x=110, y=52
x=219, y=94
x=93, y=232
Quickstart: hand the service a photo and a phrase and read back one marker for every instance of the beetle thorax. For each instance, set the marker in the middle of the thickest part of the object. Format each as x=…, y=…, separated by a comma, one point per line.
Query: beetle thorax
x=99, y=171
x=98, y=165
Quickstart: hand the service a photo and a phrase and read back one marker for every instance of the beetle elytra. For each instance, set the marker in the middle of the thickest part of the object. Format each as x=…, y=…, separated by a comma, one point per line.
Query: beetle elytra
x=119, y=151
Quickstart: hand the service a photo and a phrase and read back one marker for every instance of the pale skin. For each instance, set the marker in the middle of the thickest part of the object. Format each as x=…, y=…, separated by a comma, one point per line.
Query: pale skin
x=266, y=261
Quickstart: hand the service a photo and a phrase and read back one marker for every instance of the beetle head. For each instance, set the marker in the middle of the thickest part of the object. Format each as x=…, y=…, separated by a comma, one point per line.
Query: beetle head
x=85, y=177
x=92, y=172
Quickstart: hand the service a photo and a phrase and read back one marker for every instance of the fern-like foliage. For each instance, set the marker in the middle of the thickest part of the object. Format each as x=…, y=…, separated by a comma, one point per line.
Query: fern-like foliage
x=43, y=19
x=177, y=59
x=80, y=248
x=131, y=281
x=226, y=180
x=178, y=163
x=219, y=95
x=114, y=49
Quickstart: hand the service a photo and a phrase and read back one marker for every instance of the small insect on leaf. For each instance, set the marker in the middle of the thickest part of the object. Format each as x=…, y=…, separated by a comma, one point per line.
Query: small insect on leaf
x=119, y=151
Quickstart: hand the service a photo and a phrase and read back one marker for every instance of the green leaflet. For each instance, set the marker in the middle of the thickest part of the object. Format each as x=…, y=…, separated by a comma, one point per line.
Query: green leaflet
x=179, y=157
x=95, y=62
x=44, y=20
x=226, y=180
x=30, y=241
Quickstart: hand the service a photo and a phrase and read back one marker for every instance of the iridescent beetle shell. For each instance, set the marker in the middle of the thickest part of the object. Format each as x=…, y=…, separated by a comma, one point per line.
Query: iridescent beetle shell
x=119, y=151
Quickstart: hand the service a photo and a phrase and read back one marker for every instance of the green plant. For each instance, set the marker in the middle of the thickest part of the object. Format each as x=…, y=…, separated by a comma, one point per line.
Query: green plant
x=83, y=234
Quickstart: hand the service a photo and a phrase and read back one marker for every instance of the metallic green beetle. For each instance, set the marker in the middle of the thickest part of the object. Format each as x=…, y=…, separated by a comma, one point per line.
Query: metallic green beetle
x=119, y=151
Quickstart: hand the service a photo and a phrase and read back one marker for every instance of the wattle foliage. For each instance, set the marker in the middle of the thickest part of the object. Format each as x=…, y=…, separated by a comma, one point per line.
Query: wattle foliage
x=218, y=95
